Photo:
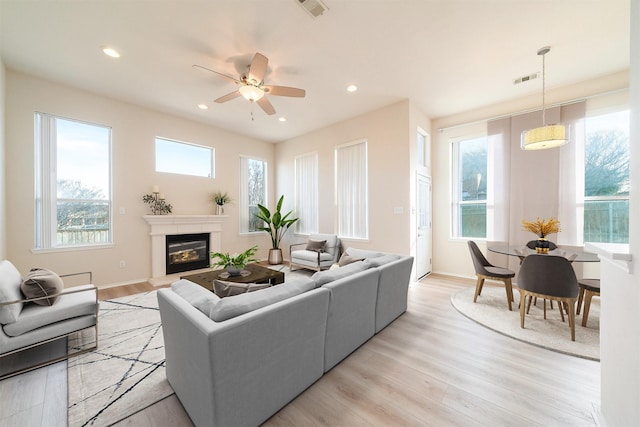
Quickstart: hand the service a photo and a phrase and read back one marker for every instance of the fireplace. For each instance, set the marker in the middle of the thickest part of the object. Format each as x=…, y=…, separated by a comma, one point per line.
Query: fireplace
x=185, y=252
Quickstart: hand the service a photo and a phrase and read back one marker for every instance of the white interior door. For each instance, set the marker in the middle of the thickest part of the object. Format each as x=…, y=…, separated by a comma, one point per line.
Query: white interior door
x=423, y=246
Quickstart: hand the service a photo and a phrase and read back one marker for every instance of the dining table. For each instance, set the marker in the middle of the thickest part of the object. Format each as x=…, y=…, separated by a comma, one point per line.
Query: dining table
x=523, y=251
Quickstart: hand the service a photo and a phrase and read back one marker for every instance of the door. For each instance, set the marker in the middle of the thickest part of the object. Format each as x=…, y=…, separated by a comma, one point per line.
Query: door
x=423, y=241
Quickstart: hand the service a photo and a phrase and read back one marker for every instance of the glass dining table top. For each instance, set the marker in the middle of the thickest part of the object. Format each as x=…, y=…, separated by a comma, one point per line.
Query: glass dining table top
x=522, y=250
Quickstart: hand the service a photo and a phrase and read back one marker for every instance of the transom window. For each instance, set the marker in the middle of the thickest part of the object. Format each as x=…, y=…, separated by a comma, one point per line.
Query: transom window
x=184, y=158
x=73, y=183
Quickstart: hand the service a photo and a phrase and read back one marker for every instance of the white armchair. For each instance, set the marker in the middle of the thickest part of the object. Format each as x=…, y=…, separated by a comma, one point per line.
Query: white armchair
x=25, y=324
x=319, y=252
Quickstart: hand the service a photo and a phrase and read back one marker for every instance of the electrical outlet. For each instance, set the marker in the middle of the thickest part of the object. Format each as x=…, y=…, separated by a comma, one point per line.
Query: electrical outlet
x=122, y=264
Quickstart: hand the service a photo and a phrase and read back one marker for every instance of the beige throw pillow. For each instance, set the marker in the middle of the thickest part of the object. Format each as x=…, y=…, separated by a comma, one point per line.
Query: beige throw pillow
x=40, y=282
x=346, y=259
x=229, y=289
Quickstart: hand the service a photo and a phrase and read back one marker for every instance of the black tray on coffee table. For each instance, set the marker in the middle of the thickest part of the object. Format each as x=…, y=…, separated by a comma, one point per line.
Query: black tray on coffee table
x=256, y=274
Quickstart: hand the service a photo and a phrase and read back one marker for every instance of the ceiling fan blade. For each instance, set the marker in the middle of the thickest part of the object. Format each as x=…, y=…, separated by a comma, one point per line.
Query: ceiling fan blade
x=258, y=68
x=218, y=73
x=266, y=105
x=284, y=91
x=228, y=97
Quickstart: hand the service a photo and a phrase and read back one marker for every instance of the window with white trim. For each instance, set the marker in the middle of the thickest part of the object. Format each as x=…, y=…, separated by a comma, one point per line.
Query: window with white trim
x=184, y=158
x=606, y=178
x=469, y=188
x=73, y=183
x=306, y=193
x=352, y=198
x=253, y=191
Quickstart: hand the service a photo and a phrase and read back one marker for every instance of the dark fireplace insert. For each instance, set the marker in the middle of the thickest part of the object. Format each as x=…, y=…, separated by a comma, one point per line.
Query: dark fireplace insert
x=187, y=252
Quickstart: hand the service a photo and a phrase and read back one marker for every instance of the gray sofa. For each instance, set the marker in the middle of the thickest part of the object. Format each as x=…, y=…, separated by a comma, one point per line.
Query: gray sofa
x=236, y=361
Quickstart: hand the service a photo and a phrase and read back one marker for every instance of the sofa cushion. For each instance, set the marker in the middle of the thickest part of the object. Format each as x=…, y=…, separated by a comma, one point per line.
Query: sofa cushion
x=228, y=308
x=229, y=289
x=196, y=295
x=346, y=259
x=311, y=256
x=10, y=281
x=362, y=253
x=316, y=245
x=69, y=306
x=323, y=277
x=40, y=282
x=382, y=260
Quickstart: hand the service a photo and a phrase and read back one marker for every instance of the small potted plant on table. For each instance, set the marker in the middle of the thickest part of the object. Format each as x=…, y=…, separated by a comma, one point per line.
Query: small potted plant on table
x=233, y=264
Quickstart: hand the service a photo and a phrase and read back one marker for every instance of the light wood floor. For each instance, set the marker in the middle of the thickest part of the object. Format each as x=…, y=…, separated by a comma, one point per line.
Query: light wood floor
x=432, y=366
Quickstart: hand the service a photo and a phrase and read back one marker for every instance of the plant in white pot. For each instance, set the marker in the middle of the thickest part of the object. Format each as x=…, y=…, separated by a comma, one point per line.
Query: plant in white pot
x=276, y=225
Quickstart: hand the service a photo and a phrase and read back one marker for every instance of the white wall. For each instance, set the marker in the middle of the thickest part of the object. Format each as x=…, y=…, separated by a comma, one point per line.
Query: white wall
x=452, y=256
x=388, y=134
x=3, y=217
x=133, y=131
x=619, y=325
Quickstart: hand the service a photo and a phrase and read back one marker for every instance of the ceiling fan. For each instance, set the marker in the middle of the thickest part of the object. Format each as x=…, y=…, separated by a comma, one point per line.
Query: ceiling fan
x=252, y=87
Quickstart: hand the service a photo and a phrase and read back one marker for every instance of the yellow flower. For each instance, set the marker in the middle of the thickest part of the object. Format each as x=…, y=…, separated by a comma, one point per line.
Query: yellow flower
x=542, y=227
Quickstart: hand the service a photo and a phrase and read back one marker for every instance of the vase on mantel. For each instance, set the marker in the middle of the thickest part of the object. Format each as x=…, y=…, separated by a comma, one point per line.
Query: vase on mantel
x=542, y=245
x=219, y=209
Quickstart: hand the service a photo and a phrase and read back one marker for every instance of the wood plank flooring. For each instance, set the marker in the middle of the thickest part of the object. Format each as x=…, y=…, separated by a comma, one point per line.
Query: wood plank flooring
x=432, y=366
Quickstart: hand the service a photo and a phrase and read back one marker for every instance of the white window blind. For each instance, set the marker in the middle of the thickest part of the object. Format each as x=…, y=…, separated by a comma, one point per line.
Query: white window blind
x=306, y=193
x=352, y=201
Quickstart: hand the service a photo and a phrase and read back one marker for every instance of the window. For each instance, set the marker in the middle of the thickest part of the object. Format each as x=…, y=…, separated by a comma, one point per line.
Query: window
x=73, y=183
x=183, y=158
x=469, y=184
x=423, y=148
x=306, y=193
x=352, y=190
x=253, y=191
x=606, y=178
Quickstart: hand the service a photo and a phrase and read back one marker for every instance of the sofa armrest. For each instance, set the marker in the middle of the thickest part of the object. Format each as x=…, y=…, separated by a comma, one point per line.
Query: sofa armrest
x=75, y=289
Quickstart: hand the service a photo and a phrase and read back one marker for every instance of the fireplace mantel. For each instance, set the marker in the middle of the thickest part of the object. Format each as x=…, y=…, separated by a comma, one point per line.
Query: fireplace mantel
x=163, y=225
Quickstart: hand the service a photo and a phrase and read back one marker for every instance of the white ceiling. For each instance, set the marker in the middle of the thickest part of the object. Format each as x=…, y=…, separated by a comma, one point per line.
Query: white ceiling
x=447, y=56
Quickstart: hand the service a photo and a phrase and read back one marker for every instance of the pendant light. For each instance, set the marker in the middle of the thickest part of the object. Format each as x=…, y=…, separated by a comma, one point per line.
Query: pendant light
x=547, y=136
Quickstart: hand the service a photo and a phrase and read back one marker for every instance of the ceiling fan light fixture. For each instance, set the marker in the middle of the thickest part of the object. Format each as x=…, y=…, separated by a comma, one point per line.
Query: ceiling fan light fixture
x=546, y=136
x=251, y=93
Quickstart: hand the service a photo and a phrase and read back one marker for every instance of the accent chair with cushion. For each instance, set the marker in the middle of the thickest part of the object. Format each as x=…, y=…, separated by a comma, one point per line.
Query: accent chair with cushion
x=36, y=310
x=485, y=270
x=320, y=252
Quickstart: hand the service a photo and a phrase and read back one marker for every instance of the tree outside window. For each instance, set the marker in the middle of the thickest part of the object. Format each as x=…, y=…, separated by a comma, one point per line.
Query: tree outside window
x=471, y=194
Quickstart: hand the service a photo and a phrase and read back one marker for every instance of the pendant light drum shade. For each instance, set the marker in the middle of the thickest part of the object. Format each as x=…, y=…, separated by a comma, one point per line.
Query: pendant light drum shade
x=544, y=137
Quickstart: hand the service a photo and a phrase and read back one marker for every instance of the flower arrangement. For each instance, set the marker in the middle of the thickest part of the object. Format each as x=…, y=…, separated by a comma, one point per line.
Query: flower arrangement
x=542, y=227
x=220, y=198
x=235, y=261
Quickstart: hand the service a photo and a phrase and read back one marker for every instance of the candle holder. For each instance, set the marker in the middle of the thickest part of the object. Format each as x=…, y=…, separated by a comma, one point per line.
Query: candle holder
x=157, y=203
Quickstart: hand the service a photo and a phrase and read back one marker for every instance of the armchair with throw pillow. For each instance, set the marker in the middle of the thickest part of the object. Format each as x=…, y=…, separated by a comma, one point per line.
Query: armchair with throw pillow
x=321, y=251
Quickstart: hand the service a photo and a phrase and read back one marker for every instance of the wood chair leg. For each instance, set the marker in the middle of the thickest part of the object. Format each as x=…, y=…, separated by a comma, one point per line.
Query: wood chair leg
x=509, y=289
x=523, y=298
x=479, y=285
x=587, y=305
x=561, y=309
x=572, y=322
x=580, y=298
x=529, y=304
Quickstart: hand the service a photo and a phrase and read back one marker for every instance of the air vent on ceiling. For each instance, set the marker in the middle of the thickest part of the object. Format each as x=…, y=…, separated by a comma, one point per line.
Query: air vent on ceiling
x=314, y=7
x=526, y=78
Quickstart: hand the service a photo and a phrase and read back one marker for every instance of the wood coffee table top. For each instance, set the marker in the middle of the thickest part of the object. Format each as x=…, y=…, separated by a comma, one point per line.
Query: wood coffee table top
x=256, y=274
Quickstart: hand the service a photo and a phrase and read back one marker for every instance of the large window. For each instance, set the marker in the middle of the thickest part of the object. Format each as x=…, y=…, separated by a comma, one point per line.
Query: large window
x=469, y=185
x=253, y=191
x=183, y=158
x=352, y=199
x=306, y=193
x=606, y=178
x=73, y=183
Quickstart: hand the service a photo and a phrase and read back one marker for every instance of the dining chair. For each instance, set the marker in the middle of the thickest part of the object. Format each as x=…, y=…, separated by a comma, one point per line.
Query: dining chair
x=588, y=288
x=552, y=278
x=485, y=270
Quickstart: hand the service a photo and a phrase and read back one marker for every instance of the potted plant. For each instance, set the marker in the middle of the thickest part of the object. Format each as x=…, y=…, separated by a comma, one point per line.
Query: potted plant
x=220, y=199
x=276, y=225
x=233, y=263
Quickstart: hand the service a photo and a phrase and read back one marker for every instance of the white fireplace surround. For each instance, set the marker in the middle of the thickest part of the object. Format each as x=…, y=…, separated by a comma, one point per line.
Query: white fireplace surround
x=163, y=225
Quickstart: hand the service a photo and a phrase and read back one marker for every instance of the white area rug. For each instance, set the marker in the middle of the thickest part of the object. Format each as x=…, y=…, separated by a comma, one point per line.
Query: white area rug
x=491, y=311
x=126, y=373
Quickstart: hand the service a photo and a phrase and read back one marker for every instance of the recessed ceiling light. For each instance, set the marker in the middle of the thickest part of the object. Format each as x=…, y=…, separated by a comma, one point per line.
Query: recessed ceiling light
x=283, y=119
x=203, y=106
x=352, y=88
x=109, y=51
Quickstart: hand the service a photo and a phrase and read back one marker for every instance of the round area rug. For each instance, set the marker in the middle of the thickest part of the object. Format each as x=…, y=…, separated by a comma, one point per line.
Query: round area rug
x=491, y=311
